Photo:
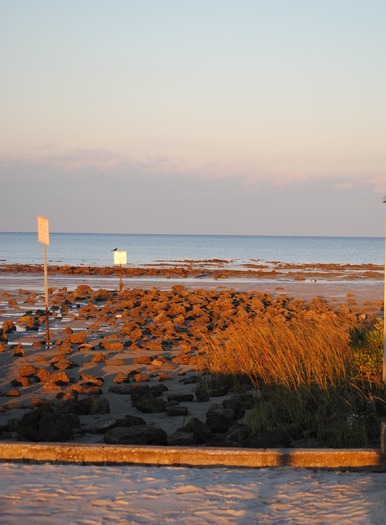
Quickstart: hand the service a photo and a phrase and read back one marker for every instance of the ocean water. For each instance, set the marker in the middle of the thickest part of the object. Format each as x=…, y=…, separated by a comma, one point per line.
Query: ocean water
x=96, y=249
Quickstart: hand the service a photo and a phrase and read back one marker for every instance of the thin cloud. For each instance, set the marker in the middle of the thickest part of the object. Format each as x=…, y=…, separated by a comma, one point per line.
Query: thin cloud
x=344, y=186
x=86, y=161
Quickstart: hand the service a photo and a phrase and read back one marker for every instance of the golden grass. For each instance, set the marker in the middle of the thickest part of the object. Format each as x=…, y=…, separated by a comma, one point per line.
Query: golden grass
x=313, y=381
x=294, y=354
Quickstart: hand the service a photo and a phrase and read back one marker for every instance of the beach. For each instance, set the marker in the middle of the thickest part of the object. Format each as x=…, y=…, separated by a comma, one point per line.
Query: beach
x=85, y=322
x=85, y=495
x=104, y=341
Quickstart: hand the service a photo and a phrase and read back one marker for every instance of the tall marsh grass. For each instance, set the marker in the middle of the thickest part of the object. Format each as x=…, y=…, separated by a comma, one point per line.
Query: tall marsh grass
x=295, y=355
x=320, y=380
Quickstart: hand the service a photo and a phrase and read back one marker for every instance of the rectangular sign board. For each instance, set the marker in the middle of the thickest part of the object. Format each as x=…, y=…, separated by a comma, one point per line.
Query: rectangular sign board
x=43, y=231
x=120, y=258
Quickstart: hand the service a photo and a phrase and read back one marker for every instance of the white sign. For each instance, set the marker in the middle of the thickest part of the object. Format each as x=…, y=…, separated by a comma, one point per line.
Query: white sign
x=43, y=231
x=120, y=258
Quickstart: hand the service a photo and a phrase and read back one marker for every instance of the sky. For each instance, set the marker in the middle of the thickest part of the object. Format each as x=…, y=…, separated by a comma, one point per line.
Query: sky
x=248, y=117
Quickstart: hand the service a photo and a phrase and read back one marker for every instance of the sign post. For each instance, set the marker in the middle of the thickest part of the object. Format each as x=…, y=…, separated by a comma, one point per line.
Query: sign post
x=384, y=308
x=120, y=258
x=44, y=238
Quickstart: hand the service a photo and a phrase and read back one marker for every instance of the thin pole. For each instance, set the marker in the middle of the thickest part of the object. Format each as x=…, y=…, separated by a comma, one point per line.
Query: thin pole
x=46, y=296
x=120, y=280
x=384, y=315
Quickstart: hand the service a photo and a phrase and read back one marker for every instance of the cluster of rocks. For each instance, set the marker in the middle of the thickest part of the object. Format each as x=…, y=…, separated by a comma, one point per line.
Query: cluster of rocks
x=144, y=345
x=217, y=269
x=61, y=422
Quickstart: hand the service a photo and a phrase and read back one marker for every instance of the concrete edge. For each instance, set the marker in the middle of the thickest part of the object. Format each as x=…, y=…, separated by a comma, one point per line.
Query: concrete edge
x=194, y=457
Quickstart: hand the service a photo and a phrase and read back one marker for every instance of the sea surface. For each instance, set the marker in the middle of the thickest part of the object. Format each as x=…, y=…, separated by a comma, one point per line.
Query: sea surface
x=91, y=249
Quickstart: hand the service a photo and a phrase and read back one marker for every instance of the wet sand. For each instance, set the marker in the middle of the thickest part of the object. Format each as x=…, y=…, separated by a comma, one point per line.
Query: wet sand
x=336, y=289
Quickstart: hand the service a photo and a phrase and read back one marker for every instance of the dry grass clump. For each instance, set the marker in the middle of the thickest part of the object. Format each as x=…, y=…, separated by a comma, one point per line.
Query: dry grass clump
x=318, y=380
x=293, y=354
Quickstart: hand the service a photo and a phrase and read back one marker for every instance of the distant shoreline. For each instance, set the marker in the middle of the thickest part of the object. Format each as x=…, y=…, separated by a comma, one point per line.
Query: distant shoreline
x=358, y=285
x=216, y=269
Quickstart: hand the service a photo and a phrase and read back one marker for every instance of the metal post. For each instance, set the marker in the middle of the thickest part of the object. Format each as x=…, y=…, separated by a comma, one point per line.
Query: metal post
x=384, y=312
x=384, y=306
x=120, y=279
x=46, y=297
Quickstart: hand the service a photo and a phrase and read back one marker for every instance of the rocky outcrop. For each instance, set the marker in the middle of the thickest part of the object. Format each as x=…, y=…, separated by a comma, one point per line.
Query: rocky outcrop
x=47, y=424
x=136, y=435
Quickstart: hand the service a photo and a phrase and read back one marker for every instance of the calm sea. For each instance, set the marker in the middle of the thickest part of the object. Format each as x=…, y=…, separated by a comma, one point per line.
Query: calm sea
x=96, y=249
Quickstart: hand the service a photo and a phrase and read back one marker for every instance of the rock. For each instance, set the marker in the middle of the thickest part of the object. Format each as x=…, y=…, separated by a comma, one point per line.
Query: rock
x=51, y=387
x=149, y=404
x=22, y=381
x=219, y=390
x=115, y=362
x=18, y=350
x=180, y=398
x=176, y=410
x=12, y=393
x=29, y=322
x=237, y=435
x=14, y=404
x=77, y=338
x=11, y=425
x=59, y=377
x=141, y=378
x=98, y=381
x=268, y=439
x=113, y=346
x=142, y=360
x=8, y=326
x=121, y=378
x=161, y=318
x=99, y=358
x=181, y=438
x=86, y=406
x=43, y=375
x=158, y=390
x=129, y=421
x=69, y=406
x=64, y=396
x=154, y=346
x=38, y=401
x=164, y=376
x=136, y=435
x=87, y=389
x=192, y=380
x=239, y=403
x=28, y=371
x=219, y=419
x=103, y=426
x=179, y=319
x=95, y=405
x=137, y=391
x=46, y=424
x=201, y=432
x=202, y=392
x=63, y=363
x=121, y=389
x=64, y=348
x=85, y=347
